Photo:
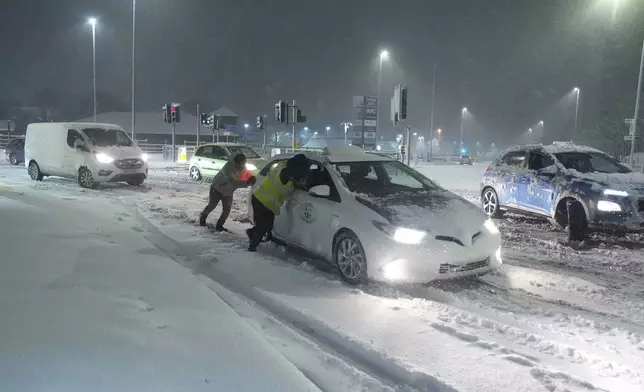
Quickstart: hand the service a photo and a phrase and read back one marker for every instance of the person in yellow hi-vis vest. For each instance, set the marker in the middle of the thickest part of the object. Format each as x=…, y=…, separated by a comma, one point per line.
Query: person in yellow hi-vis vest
x=271, y=193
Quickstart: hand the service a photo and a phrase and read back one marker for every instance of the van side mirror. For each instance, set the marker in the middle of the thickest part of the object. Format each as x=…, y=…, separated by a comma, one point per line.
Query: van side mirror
x=320, y=191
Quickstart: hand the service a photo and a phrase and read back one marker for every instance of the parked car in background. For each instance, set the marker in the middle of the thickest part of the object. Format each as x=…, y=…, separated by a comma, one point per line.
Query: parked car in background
x=91, y=153
x=14, y=152
x=375, y=218
x=574, y=186
x=466, y=160
x=208, y=159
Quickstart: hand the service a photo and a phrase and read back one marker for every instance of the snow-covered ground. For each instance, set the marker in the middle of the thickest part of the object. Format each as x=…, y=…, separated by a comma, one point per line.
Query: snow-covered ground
x=553, y=319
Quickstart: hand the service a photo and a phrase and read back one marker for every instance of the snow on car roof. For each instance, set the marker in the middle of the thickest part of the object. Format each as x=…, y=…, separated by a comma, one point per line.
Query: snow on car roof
x=555, y=148
x=342, y=154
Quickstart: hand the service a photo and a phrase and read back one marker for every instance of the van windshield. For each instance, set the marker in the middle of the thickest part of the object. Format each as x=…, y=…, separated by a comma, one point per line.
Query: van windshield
x=101, y=137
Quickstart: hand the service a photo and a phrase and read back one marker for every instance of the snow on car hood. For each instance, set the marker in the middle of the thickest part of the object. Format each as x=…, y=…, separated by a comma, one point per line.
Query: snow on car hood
x=620, y=181
x=440, y=213
x=120, y=152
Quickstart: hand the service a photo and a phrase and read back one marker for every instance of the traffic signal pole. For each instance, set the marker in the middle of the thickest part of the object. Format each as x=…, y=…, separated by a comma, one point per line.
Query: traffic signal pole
x=294, y=122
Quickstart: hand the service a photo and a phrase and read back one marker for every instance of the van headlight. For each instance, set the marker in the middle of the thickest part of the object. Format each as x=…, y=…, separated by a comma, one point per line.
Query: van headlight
x=491, y=227
x=104, y=158
x=401, y=234
x=144, y=157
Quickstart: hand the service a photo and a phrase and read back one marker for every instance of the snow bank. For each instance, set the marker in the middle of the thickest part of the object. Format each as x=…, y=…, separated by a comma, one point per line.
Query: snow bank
x=91, y=305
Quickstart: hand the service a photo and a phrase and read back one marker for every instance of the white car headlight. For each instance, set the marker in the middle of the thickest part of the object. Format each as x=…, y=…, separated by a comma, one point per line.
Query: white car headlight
x=401, y=234
x=251, y=167
x=144, y=157
x=491, y=227
x=615, y=192
x=608, y=206
x=408, y=236
x=104, y=158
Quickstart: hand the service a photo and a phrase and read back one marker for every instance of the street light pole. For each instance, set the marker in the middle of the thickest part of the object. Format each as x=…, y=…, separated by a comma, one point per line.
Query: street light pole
x=462, y=121
x=92, y=22
x=383, y=56
x=637, y=107
x=133, y=68
x=577, y=109
x=327, y=131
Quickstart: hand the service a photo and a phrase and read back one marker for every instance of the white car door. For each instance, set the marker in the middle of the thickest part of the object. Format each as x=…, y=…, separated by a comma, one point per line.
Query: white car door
x=220, y=158
x=311, y=217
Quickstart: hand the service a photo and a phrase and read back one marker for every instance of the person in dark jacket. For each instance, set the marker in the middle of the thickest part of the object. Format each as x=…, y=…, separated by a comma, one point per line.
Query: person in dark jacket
x=222, y=189
x=271, y=193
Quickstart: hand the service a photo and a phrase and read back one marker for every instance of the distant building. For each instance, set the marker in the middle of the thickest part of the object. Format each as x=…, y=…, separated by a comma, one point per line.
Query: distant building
x=151, y=129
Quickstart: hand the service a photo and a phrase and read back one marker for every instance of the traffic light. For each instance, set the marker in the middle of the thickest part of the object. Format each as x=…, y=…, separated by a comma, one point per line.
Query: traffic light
x=167, y=114
x=403, y=103
x=175, y=112
x=299, y=118
x=281, y=112
x=261, y=122
x=203, y=118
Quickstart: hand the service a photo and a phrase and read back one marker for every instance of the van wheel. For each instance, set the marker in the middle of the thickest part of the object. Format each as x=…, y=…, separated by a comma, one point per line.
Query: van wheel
x=136, y=182
x=13, y=159
x=34, y=171
x=85, y=178
x=350, y=257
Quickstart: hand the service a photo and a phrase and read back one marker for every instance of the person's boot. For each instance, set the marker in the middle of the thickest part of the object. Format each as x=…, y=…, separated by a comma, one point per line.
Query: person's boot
x=202, y=220
x=249, y=233
x=220, y=228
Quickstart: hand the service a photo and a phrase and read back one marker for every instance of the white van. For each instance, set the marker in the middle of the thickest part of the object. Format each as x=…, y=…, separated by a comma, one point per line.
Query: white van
x=89, y=152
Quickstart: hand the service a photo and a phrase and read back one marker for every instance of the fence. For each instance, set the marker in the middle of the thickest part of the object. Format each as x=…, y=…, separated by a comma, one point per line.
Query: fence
x=6, y=138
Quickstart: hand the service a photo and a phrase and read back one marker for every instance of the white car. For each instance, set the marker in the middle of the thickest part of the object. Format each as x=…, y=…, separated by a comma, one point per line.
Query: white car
x=209, y=158
x=378, y=219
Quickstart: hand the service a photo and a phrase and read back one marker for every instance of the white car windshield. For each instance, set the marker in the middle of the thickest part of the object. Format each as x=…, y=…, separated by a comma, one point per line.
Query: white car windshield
x=101, y=137
x=383, y=178
x=250, y=154
x=590, y=162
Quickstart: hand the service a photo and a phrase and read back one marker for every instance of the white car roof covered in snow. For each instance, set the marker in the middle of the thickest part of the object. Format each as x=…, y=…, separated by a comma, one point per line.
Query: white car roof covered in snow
x=341, y=154
x=555, y=148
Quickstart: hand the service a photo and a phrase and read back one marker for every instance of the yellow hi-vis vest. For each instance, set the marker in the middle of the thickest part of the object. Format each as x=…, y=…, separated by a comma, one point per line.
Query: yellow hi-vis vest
x=271, y=192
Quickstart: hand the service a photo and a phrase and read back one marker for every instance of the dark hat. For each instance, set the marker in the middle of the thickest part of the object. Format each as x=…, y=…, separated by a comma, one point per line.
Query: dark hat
x=298, y=161
x=239, y=159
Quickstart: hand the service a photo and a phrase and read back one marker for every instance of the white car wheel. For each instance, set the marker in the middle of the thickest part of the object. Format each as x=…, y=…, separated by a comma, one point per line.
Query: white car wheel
x=195, y=174
x=350, y=258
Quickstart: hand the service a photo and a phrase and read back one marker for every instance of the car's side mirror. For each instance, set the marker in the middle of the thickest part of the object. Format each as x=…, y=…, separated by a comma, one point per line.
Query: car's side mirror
x=320, y=191
x=547, y=171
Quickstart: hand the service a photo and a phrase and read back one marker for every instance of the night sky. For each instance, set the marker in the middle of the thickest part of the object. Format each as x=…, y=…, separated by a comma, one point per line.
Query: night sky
x=511, y=62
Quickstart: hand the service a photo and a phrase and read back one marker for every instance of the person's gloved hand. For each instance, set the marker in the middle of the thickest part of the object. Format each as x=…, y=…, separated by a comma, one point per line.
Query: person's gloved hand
x=251, y=181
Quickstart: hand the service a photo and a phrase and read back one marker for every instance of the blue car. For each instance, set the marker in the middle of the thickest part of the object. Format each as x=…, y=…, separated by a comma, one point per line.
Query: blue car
x=575, y=186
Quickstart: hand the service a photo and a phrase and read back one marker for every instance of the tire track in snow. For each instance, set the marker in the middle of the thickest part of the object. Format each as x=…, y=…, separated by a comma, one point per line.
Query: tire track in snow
x=374, y=363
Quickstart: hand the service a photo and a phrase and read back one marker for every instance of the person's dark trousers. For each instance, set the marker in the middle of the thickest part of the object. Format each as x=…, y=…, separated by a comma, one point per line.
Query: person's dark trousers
x=213, y=200
x=264, y=219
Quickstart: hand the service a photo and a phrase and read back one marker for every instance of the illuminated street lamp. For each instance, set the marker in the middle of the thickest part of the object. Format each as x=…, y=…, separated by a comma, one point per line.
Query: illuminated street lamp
x=327, y=131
